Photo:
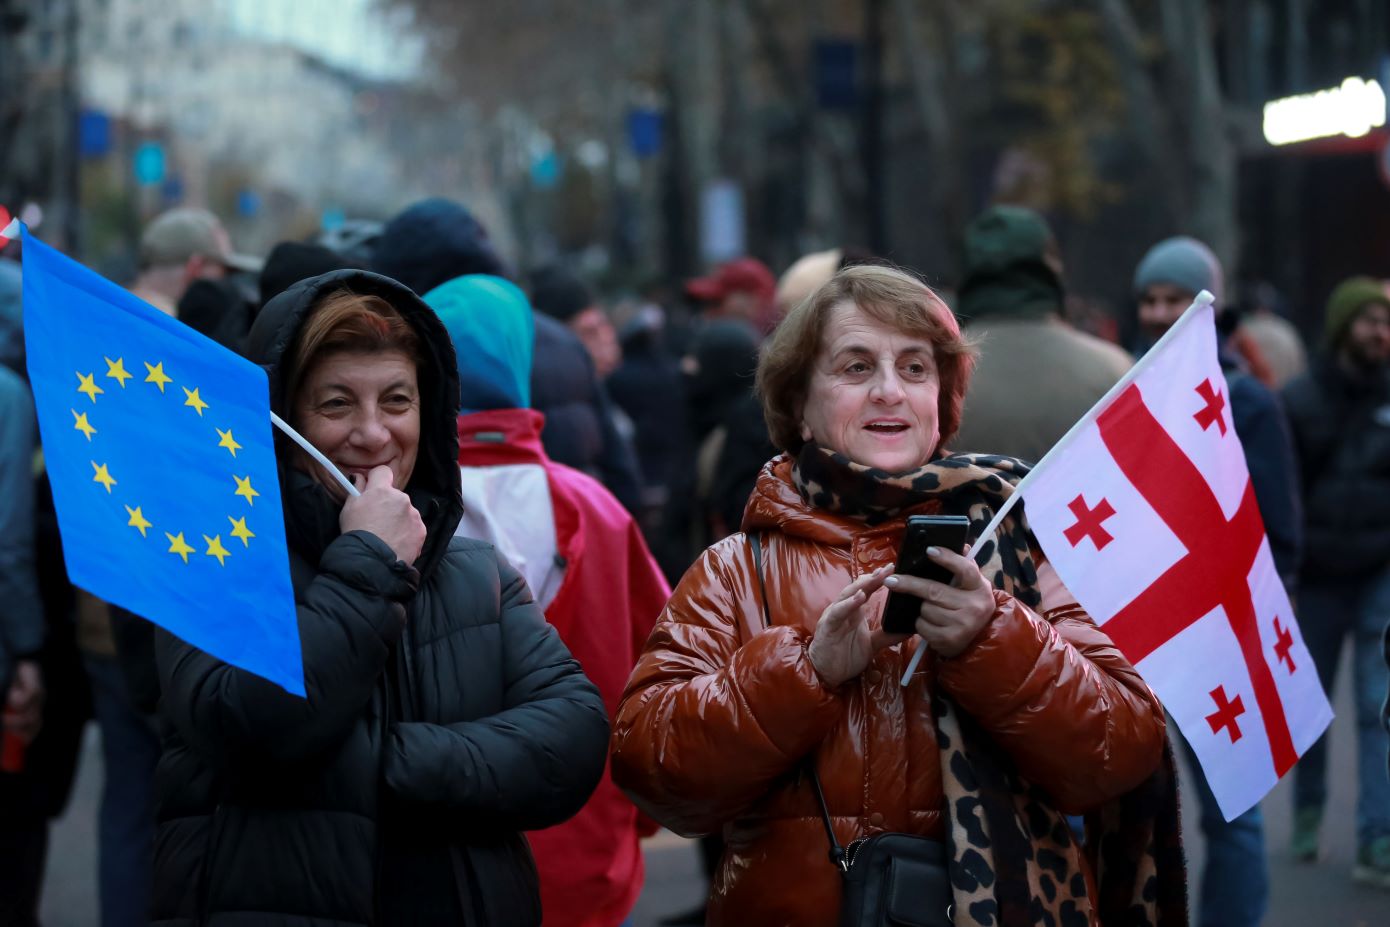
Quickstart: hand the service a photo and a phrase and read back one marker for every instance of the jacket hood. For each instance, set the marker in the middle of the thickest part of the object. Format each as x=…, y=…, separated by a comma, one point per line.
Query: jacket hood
x=1012, y=266
x=434, y=486
x=11, y=317
x=493, y=332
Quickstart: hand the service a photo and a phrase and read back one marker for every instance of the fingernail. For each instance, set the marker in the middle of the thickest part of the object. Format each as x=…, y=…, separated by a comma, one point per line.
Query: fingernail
x=933, y=551
x=891, y=581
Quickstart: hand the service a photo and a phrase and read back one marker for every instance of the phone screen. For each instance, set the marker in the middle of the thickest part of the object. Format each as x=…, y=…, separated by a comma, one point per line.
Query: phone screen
x=923, y=531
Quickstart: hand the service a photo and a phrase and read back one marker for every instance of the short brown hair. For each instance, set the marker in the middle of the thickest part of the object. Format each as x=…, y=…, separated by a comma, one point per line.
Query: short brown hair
x=887, y=294
x=347, y=321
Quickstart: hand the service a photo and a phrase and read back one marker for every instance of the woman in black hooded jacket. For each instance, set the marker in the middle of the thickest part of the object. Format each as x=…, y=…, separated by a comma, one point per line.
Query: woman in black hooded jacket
x=443, y=717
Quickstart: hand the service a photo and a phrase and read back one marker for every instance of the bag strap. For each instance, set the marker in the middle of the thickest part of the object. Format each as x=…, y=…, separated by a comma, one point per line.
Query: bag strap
x=837, y=852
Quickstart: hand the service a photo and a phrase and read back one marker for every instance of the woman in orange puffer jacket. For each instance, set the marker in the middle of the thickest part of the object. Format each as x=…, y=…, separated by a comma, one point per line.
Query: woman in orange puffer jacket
x=1022, y=712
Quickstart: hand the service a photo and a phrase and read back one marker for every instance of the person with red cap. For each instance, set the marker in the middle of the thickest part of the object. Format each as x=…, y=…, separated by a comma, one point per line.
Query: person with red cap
x=739, y=289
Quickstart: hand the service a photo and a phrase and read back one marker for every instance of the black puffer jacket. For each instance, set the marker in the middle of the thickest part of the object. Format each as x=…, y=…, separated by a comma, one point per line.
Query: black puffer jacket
x=1341, y=426
x=579, y=429
x=443, y=717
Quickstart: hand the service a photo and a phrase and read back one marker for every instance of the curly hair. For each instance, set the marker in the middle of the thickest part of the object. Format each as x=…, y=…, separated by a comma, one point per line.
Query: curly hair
x=887, y=294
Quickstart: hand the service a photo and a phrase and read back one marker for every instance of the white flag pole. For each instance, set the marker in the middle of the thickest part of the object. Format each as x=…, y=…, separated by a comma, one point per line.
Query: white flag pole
x=12, y=230
x=315, y=453
x=1203, y=300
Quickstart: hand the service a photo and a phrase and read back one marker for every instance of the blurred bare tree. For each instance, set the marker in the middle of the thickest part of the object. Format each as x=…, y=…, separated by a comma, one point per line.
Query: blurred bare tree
x=1076, y=107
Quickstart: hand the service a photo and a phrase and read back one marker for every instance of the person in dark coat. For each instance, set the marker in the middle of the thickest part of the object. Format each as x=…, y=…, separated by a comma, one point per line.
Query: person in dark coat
x=444, y=716
x=1235, y=880
x=649, y=388
x=437, y=240
x=1340, y=410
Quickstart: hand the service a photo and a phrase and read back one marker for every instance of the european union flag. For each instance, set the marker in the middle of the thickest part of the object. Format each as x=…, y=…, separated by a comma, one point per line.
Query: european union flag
x=158, y=446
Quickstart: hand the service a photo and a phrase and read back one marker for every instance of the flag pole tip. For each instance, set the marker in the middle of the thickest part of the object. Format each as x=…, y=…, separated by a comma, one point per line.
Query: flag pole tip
x=1205, y=298
x=12, y=230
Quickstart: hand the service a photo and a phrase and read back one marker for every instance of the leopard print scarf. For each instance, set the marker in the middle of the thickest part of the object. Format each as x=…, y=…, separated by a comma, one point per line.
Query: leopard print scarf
x=973, y=485
x=1014, y=859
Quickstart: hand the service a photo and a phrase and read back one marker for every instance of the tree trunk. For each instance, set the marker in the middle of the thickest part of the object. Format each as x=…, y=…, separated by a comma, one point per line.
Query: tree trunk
x=1210, y=153
x=928, y=67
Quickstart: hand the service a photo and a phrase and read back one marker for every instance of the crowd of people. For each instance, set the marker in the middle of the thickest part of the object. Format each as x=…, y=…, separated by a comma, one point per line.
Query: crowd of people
x=612, y=570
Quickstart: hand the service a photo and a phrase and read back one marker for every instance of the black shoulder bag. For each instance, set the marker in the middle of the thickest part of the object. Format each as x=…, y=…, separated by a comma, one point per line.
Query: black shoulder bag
x=891, y=879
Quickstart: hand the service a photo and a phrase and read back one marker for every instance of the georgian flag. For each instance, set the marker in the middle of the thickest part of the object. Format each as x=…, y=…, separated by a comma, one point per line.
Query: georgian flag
x=1147, y=513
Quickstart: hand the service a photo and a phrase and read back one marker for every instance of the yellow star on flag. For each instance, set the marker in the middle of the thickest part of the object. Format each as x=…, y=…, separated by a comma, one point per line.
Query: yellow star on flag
x=88, y=385
x=102, y=476
x=137, y=520
x=82, y=424
x=157, y=375
x=215, y=549
x=177, y=545
x=194, y=400
x=116, y=370
x=243, y=488
x=239, y=530
x=227, y=440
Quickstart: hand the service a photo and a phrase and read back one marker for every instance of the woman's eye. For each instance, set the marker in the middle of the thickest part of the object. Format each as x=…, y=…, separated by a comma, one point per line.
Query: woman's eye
x=399, y=401
x=334, y=405
x=857, y=367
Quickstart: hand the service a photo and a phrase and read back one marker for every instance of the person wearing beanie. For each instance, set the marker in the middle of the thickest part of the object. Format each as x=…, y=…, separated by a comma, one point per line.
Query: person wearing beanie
x=1340, y=412
x=1011, y=300
x=292, y=261
x=1235, y=880
x=584, y=560
x=436, y=240
x=563, y=296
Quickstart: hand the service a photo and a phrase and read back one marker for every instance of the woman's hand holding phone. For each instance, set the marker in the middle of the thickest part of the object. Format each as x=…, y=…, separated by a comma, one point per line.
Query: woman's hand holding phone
x=844, y=644
x=951, y=617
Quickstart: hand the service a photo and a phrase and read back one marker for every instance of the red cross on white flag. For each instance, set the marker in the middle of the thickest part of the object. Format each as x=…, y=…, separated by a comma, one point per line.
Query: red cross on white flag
x=1147, y=513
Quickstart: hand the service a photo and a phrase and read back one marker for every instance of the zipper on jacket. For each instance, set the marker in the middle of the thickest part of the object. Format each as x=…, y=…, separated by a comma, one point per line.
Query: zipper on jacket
x=851, y=850
x=384, y=688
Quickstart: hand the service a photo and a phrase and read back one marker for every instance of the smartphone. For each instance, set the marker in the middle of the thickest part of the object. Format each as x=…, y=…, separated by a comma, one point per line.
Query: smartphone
x=923, y=531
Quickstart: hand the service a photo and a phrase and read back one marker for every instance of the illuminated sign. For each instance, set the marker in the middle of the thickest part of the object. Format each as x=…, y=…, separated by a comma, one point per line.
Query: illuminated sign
x=1353, y=109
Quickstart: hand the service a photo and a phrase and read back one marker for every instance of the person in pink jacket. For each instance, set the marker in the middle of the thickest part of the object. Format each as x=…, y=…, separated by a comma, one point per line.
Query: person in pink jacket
x=584, y=559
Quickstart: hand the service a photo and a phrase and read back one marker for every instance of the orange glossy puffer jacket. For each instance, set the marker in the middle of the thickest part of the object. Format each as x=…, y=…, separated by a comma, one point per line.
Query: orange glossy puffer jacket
x=720, y=711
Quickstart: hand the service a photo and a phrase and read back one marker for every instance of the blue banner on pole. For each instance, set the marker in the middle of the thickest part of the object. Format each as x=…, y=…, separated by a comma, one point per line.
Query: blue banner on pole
x=93, y=133
x=159, y=451
x=835, y=64
x=644, y=130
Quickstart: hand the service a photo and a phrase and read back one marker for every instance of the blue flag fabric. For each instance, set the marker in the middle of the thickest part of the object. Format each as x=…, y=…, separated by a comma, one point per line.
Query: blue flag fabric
x=159, y=449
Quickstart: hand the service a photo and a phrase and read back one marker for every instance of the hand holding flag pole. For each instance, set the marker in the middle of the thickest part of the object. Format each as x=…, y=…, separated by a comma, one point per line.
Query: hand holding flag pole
x=1203, y=300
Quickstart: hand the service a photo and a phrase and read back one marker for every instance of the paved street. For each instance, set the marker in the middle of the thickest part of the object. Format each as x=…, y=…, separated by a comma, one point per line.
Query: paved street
x=1321, y=895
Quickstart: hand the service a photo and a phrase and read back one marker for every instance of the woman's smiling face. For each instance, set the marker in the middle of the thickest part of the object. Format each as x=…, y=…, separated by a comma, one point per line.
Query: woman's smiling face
x=362, y=411
x=873, y=394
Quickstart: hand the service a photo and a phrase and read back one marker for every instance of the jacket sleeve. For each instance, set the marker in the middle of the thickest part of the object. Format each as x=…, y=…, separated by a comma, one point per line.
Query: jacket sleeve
x=350, y=615
x=533, y=764
x=1062, y=700
x=21, y=611
x=1264, y=432
x=709, y=721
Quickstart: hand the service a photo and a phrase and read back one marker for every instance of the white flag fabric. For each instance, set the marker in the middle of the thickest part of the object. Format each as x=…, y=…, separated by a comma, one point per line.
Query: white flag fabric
x=1147, y=513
